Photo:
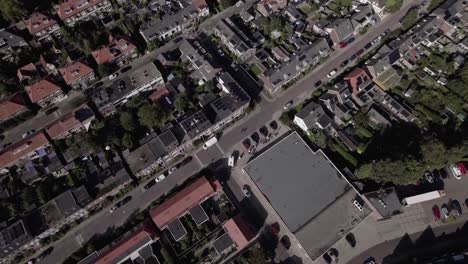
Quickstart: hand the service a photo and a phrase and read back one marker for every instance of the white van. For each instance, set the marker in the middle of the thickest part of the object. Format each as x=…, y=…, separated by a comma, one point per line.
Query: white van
x=210, y=142
x=231, y=161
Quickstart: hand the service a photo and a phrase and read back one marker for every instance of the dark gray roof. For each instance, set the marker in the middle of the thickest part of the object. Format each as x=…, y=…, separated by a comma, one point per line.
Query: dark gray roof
x=343, y=28
x=385, y=201
x=82, y=196
x=13, y=236
x=195, y=124
x=298, y=182
x=11, y=40
x=198, y=214
x=222, y=243
x=66, y=204
x=313, y=114
x=177, y=229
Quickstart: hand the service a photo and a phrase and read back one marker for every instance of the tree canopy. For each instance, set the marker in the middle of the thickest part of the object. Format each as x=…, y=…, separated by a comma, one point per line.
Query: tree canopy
x=11, y=10
x=393, y=6
x=152, y=115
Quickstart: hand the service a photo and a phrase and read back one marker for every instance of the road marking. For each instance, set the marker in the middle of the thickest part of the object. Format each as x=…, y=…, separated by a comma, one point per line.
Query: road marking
x=220, y=148
x=79, y=239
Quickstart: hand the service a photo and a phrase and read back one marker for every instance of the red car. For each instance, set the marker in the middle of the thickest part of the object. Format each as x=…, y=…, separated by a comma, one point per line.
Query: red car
x=359, y=52
x=462, y=168
x=436, y=212
x=275, y=229
x=246, y=143
x=343, y=45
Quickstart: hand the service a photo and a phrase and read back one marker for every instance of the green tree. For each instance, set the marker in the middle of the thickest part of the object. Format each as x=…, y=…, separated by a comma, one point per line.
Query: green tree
x=127, y=141
x=27, y=198
x=393, y=6
x=102, y=70
x=182, y=102
x=71, y=180
x=167, y=256
x=11, y=10
x=409, y=19
x=318, y=138
x=152, y=115
x=344, y=3
x=128, y=121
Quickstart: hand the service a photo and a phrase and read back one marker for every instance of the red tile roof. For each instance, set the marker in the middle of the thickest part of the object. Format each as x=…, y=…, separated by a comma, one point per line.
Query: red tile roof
x=183, y=201
x=239, y=231
x=72, y=5
x=117, y=47
x=37, y=22
x=355, y=77
x=22, y=148
x=67, y=122
x=40, y=90
x=26, y=71
x=199, y=5
x=127, y=243
x=74, y=71
x=12, y=105
x=158, y=93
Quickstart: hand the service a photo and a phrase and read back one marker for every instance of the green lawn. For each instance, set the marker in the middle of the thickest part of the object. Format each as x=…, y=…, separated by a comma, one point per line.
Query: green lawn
x=256, y=70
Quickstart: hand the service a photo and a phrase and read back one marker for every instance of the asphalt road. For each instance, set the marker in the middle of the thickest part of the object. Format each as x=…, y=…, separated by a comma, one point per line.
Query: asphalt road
x=265, y=111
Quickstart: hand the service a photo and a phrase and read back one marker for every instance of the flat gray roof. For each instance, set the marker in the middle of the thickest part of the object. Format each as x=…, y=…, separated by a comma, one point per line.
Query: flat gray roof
x=177, y=229
x=298, y=182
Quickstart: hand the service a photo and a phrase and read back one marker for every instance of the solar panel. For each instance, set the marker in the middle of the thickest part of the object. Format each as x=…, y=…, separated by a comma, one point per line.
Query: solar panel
x=177, y=229
x=198, y=215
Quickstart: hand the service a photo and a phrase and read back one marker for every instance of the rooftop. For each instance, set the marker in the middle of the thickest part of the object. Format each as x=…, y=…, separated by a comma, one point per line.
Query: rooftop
x=12, y=105
x=40, y=90
x=37, y=22
x=74, y=70
x=117, y=47
x=22, y=148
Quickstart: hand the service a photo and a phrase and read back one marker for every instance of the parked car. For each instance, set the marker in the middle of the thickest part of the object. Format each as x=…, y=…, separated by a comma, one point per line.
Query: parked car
x=351, y=239
x=264, y=131
x=125, y=69
x=185, y=161
x=120, y=203
x=359, y=52
x=445, y=210
x=255, y=137
x=333, y=253
x=343, y=45
x=353, y=57
x=245, y=190
x=370, y=260
x=288, y=105
x=160, y=177
x=368, y=46
x=51, y=110
x=274, y=125
x=455, y=171
x=436, y=212
x=29, y=133
x=285, y=241
x=231, y=161
x=331, y=74
x=246, y=143
x=457, y=207
x=350, y=40
x=428, y=177
x=275, y=228
x=344, y=63
x=113, y=76
x=461, y=167
x=171, y=170
x=317, y=84
x=149, y=185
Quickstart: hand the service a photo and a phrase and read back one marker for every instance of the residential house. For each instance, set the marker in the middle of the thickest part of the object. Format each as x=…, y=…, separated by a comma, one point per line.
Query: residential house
x=64, y=206
x=246, y=16
x=42, y=27
x=377, y=5
x=77, y=120
x=292, y=14
x=308, y=56
x=13, y=236
x=117, y=51
x=230, y=105
x=167, y=214
x=10, y=45
x=193, y=127
x=234, y=39
x=237, y=236
x=382, y=60
x=192, y=52
x=385, y=203
x=44, y=93
x=174, y=23
x=144, y=79
x=357, y=80
x=340, y=30
x=312, y=116
x=464, y=45
x=12, y=106
x=349, y=138
x=76, y=11
x=77, y=74
x=268, y=7
x=143, y=160
x=363, y=16
x=132, y=247
x=448, y=15
x=36, y=70
x=337, y=101
x=27, y=148
x=399, y=110
x=378, y=116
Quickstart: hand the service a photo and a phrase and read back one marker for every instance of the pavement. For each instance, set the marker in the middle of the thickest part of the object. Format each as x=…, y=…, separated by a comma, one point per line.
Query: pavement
x=265, y=111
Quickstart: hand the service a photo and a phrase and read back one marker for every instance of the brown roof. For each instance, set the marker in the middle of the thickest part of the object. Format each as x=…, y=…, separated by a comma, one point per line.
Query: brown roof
x=40, y=90
x=116, y=48
x=69, y=121
x=12, y=105
x=355, y=77
x=72, y=7
x=199, y=5
x=26, y=71
x=238, y=231
x=37, y=22
x=183, y=201
x=158, y=93
x=127, y=243
x=74, y=71
x=22, y=148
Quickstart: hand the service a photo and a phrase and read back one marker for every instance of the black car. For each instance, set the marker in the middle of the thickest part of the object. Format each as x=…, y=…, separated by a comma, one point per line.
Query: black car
x=149, y=184
x=125, y=69
x=98, y=84
x=255, y=137
x=353, y=57
x=351, y=239
x=317, y=84
x=344, y=63
x=457, y=207
x=264, y=131
x=285, y=241
x=185, y=161
x=368, y=46
x=273, y=124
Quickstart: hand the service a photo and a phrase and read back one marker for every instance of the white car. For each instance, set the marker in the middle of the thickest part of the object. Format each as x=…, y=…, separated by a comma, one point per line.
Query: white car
x=246, y=191
x=112, y=209
x=331, y=74
x=160, y=178
x=171, y=170
x=113, y=76
x=456, y=172
x=288, y=105
x=231, y=161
